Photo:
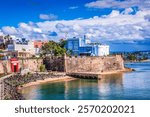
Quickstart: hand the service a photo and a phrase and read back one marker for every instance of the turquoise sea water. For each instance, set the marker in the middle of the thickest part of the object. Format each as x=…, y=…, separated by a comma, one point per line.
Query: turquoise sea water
x=123, y=86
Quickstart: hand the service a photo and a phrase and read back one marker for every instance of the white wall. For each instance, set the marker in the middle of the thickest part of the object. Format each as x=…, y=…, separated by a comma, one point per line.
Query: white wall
x=103, y=50
x=29, y=47
x=19, y=47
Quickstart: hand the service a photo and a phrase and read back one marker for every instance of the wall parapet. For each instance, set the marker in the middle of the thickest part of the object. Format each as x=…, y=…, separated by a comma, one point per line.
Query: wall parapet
x=94, y=64
x=84, y=63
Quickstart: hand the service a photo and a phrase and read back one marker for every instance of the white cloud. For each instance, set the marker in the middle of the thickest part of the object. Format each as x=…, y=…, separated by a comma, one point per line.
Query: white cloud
x=25, y=27
x=9, y=30
x=128, y=11
x=147, y=17
x=114, y=13
x=142, y=4
x=48, y=16
x=114, y=27
x=1, y=33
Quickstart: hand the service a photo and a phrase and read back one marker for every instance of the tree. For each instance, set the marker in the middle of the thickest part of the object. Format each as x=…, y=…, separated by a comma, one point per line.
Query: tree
x=132, y=57
x=62, y=43
x=53, y=49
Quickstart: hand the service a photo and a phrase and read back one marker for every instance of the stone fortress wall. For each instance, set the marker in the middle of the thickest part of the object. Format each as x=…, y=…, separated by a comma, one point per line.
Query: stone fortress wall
x=5, y=66
x=94, y=64
x=31, y=64
x=55, y=63
x=84, y=64
x=69, y=64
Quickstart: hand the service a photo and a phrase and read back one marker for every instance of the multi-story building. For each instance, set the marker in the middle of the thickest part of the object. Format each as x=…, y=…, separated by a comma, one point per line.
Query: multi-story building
x=83, y=46
x=23, y=48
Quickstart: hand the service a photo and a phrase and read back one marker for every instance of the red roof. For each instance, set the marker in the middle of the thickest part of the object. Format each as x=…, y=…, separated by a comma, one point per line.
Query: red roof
x=38, y=44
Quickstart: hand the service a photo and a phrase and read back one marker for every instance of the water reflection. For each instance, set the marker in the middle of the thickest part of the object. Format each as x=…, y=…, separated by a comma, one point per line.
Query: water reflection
x=31, y=92
x=110, y=86
x=132, y=85
x=76, y=89
x=82, y=89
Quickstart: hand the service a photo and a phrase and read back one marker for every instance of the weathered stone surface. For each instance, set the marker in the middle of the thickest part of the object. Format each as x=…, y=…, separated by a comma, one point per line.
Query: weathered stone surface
x=31, y=64
x=54, y=63
x=85, y=64
x=69, y=64
x=5, y=67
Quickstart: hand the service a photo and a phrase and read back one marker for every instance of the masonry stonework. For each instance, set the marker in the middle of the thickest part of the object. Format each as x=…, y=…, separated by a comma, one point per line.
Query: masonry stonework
x=54, y=63
x=84, y=64
x=5, y=66
x=69, y=64
x=94, y=64
x=31, y=64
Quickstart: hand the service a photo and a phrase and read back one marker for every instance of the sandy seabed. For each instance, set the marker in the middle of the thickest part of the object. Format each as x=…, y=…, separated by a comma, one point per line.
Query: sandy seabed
x=63, y=78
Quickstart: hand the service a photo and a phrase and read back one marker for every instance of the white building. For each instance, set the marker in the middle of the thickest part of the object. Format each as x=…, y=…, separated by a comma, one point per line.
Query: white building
x=83, y=46
x=103, y=50
x=23, y=47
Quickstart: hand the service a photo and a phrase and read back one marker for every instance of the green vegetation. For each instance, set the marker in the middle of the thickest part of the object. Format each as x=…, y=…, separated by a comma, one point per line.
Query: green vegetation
x=23, y=49
x=53, y=49
x=62, y=43
x=144, y=57
x=42, y=68
x=1, y=56
x=132, y=57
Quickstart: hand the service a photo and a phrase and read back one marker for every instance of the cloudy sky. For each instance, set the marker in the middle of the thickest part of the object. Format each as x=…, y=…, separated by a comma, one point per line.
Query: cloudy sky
x=123, y=24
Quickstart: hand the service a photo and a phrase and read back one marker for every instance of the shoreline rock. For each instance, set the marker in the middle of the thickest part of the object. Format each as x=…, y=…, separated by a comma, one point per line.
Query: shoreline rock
x=15, y=83
x=11, y=84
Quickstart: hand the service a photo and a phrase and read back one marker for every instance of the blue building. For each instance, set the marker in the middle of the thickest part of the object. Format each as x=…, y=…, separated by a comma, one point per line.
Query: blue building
x=83, y=46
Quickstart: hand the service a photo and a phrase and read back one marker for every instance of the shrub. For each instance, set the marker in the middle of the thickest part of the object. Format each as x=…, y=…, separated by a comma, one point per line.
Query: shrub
x=42, y=68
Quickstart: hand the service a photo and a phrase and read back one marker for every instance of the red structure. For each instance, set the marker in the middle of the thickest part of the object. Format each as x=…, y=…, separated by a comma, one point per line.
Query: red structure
x=39, y=44
x=14, y=65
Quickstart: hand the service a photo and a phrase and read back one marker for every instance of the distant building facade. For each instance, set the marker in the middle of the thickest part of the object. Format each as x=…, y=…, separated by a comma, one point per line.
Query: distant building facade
x=23, y=48
x=38, y=45
x=1, y=39
x=83, y=46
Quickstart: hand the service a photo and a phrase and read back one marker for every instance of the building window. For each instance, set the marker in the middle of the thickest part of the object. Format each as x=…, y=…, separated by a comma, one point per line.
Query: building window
x=70, y=45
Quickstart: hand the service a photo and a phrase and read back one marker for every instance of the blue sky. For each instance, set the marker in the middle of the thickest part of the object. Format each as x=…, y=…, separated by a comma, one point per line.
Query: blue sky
x=15, y=11
x=120, y=23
